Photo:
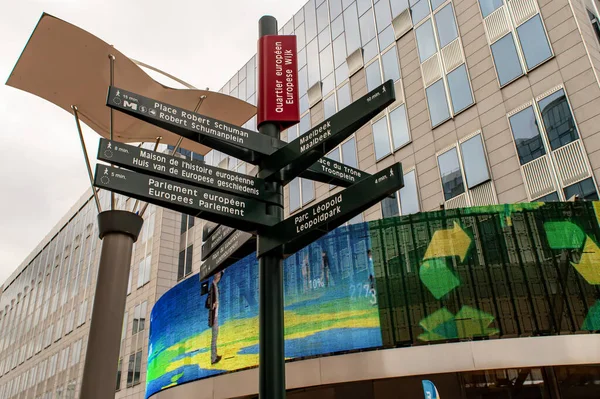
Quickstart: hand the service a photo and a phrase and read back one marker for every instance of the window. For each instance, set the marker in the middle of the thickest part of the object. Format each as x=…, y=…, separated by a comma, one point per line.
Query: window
x=144, y=271
x=344, y=97
x=339, y=51
x=474, y=161
x=308, y=191
x=419, y=10
x=389, y=61
x=367, y=27
x=139, y=317
x=138, y=367
x=425, y=40
x=489, y=6
x=349, y=153
x=460, y=89
x=406, y=200
x=130, y=367
x=452, y=181
x=506, y=59
x=534, y=42
x=329, y=106
x=186, y=222
x=532, y=39
x=82, y=313
x=76, y=352
x=294, y=187
x=185, y=262
x=552, y=197
x=301, y=191
x=437, y=102
x=436, y=3
x=399, y=125
x=373, y=75
x=584, y=190
x=527, y=136
x=595, y=24
x=398, y=6
x=119, y=374
x=129, y=281
x=381, y=138
x=558, y=120
x=383, y=15
x=352, y=29
x=446, y=25
x=124, y=327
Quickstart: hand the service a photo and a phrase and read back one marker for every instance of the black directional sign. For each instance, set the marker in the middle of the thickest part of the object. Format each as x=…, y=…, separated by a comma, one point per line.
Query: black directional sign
x=215, y=239
x=326, y=170
x=289, y=161
x=300, y=229
x=241, y=213
x=187, y=171
x=222, y=136
x=236, y=247
x=208, y=229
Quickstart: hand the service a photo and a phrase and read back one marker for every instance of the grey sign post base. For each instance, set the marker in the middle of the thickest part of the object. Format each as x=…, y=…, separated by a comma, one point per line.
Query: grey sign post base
x=118, y=231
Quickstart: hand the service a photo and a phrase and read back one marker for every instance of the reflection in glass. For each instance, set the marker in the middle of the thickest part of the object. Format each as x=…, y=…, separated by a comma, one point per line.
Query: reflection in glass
x=419, y=10
x=344, y=96
x=398, y=6
x=489, y=6
x=558, y=120
x=534, y=42
x=294, y=186
x=552, y=197
x=409, y=198
x=425, y=40
x=352, y=29
x=329, y=106
x=390, y=65
x=460, y=90
x=400, y=133
x=339, y=50
x=389, y=207
x=437, y=103
x=349, y=153
x=585, y=190
x=387, y=37
x=527, y=135
x=436, y=3
x=452, y=180
x=383, y=14
x=381, y=138
x=446, y=25
x=367, y=27
x=506, y=59
x=373, y=75
x=474, y=162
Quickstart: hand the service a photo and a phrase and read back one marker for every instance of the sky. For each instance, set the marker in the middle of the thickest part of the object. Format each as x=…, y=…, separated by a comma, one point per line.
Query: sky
x=42, y=169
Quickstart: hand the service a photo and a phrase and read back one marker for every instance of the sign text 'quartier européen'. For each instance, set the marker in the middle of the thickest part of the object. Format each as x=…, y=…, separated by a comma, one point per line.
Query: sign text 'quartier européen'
x=241, y=213
x=215, y=239
x=236, y=246
x=302, y=228
x=185, y=170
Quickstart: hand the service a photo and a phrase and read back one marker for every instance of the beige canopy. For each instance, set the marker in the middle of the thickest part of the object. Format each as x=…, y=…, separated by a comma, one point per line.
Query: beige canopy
x=69, y=66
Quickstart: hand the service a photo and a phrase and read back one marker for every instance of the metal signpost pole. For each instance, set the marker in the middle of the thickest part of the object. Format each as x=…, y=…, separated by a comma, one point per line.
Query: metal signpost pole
x=270, y=274
x=118, y=231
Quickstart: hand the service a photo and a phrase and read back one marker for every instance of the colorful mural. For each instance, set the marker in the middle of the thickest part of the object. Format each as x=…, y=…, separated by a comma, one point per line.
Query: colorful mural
x=472, y=273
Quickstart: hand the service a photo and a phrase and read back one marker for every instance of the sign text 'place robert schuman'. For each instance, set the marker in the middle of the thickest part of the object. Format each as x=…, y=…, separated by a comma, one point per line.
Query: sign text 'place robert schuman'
x=241, y=213
x=278, y=81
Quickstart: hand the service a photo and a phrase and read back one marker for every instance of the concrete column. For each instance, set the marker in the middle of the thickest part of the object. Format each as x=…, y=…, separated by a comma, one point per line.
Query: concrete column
x=118, y=231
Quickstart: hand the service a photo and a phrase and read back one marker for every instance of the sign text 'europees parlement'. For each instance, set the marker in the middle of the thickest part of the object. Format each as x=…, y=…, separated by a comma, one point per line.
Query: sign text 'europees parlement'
x=185, y=170
x=242, y=213
x=278, y=81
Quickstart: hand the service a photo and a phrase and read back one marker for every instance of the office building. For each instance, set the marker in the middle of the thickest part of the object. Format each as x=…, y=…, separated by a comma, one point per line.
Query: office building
x=497, y=102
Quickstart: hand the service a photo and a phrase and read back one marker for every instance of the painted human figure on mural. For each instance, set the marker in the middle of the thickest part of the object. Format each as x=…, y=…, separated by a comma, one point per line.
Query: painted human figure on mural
x=325, y=270
x=371, y=269
x=305, y=274
x=213, y=316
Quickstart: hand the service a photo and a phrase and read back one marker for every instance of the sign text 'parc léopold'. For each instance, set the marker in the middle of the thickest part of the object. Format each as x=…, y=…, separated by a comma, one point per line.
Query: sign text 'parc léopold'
x=278, y=81
x=238, y=212
x=304, y=227
x=185, y=170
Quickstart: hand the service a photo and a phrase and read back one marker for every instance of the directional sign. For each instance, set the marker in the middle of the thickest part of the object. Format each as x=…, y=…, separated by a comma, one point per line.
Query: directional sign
x=326, y=170
x=242, y=213
x=208, y=229
x=213, y=242
x=187, y=171
x=222, y=136
x=236, y=247
x=300, y=229
x=312, y=145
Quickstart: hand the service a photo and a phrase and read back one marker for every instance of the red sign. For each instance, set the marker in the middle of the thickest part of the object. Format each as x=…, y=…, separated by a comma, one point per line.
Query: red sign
x=278, y=81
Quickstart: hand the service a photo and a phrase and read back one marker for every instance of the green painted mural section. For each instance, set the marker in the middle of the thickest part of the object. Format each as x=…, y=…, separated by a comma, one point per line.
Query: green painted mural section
x=488, y=272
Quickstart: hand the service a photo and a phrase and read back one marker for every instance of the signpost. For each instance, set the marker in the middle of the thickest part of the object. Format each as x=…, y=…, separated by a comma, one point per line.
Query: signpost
x=289, y=161
x=241, y=213
x=245, y=213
